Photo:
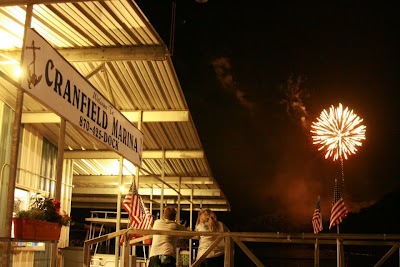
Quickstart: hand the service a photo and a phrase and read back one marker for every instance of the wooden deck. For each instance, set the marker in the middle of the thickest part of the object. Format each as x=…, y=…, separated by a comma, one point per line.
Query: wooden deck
x=388, y=244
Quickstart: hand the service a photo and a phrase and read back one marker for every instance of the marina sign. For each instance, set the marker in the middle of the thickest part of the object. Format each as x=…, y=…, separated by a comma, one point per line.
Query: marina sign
x=48, y=77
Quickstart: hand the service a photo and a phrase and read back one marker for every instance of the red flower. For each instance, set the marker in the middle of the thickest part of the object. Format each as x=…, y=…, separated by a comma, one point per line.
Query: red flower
x=46, y=209
x=57, y=205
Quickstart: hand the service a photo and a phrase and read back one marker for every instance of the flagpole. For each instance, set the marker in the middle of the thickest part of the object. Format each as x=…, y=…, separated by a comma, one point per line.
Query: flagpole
x=137, y=173
x=316, y=253
x=119, y=200
x=338, y=258
x=341, y=242
x=317, y=227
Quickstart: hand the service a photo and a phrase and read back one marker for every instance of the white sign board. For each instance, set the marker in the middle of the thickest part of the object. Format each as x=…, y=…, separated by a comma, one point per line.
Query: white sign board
x=52, y=80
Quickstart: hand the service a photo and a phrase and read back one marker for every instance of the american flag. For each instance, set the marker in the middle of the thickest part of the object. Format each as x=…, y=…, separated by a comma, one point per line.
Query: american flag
x=140, y=216
x=317, y=218
x=132, y=204
x=339, y=210
x=147, y=220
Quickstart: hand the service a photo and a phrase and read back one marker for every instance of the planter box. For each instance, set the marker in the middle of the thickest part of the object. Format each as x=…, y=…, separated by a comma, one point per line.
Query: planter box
x=37, y=230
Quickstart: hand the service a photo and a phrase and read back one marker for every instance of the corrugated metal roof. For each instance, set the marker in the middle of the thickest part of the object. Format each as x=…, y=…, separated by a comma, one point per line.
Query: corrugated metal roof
x=115, y=47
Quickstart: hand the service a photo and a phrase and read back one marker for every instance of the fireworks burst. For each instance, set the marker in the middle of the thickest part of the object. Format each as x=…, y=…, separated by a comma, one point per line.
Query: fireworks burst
x=338, y=132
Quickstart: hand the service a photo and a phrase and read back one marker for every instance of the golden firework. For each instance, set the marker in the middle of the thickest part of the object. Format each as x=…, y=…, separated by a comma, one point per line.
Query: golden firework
x=338, y=131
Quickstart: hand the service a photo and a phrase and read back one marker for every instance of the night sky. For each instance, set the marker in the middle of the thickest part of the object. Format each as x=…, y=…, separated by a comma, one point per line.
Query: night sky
x=235, y=61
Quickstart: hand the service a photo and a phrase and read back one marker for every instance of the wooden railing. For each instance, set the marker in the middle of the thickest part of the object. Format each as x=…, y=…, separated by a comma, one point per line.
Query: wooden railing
x=239, y=238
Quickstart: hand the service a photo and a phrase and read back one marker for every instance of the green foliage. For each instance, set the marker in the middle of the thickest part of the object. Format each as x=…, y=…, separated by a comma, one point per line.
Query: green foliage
x=45, y=209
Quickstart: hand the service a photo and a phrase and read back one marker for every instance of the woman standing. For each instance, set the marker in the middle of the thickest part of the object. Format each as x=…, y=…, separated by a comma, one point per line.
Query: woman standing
x=207, y=222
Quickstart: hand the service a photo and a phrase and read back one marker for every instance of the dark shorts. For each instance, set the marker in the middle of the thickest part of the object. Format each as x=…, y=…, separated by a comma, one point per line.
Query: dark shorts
x=162, y=261
x=214, y=262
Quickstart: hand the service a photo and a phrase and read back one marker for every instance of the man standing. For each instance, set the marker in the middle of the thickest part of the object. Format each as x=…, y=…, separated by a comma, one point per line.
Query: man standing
x=163, y=248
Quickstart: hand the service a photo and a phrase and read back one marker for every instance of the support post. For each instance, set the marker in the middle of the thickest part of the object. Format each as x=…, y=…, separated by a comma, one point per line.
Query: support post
x=316, y=253
x=125, y=254
x=119, y=200
x=228, y=251
x=6, y=260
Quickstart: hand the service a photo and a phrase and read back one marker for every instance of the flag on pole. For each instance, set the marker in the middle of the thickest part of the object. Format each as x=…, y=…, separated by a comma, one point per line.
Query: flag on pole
x=147, y=220
x=339, y=209
x=140, y=216
x=132, y=205
x=317, y=218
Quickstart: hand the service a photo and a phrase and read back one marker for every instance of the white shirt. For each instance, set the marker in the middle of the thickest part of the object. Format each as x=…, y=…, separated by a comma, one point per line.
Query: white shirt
x=206, y=241
x=164, y=244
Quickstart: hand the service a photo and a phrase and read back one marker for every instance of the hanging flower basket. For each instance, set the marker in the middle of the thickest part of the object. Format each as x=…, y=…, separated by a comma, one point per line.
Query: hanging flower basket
x=42, y=222
x=26, y=228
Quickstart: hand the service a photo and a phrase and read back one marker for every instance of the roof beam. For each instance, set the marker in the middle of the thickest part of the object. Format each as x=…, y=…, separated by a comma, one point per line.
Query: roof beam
x=114, y=199
x=36, y=2
x=158, y=116
x=103, y=54
x=133, y=116
x=114, y=180
x=173, y=154
x=113, y=206
x=147, y=154
x=148, y=191
x=40, y=117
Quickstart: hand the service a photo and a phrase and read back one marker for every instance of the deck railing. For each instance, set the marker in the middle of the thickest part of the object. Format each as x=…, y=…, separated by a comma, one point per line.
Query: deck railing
x=240, y=238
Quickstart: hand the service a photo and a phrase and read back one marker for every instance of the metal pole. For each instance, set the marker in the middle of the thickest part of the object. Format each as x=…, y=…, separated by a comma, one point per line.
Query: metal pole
x=178, y=217
x=136, y=179
x=6, y=260
x=59, y=176
x=316, y=253
x=60, y=159
x=118, y=223
x=191, y=227
x=162, y=186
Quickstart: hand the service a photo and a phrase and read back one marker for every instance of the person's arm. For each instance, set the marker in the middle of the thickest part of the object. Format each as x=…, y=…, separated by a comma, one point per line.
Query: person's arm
x=183, y=228
x=156, y=225
x=225, y=228
x=202, y=228
x=199, y=228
